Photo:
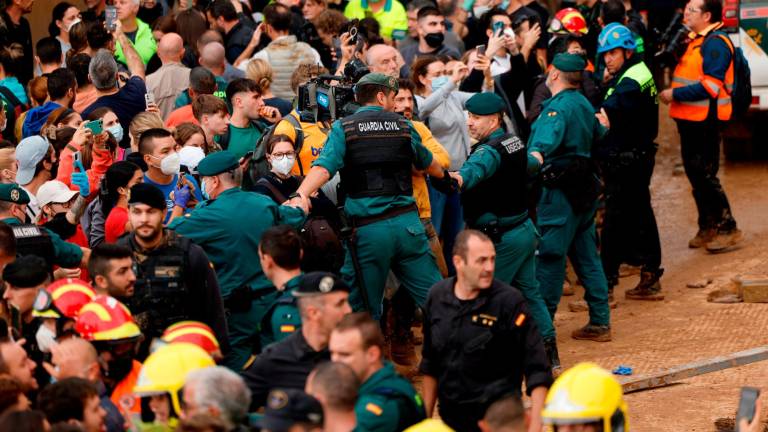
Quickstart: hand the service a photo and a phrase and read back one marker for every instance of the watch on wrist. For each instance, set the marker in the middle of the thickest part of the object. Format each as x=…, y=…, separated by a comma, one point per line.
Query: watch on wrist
x=295, y=195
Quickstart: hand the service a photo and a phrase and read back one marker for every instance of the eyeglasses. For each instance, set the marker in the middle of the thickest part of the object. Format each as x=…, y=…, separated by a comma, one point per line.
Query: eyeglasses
x=283, y=155
x=690, y=9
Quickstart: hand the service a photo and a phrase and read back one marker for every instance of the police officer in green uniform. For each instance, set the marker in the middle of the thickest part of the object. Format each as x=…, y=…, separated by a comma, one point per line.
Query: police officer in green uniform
x=35, y=240
x=375, y=150
x=561, y=142
x=496, y=167
x=228, y=225
x=626, y=158
x=386, y=401
x=280, y=256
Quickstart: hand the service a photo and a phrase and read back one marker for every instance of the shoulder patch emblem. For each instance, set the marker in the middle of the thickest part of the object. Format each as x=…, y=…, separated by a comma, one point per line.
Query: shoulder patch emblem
x=520, y=320
x=373, y=408
x=551, y=113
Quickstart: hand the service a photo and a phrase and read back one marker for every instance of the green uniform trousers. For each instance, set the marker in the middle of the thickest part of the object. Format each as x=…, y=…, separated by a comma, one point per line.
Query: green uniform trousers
x=398, y=244
x=565, y=234
x=244, y=331
x=516, y=265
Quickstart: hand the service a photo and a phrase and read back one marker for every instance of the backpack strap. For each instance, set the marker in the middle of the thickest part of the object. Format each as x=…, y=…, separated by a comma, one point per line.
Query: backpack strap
x=268, y=184
x=8, y=94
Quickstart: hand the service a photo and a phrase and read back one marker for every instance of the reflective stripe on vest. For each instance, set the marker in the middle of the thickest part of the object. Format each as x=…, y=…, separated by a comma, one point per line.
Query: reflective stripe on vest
x=690, y=71
x=641, y=75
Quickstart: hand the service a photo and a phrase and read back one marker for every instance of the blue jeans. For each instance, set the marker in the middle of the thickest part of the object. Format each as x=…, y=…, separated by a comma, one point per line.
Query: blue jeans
x=448, y=219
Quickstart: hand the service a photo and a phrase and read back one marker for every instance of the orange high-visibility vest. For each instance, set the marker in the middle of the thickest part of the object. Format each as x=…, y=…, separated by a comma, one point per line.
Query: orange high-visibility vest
x=690, y=70
x=122, y=396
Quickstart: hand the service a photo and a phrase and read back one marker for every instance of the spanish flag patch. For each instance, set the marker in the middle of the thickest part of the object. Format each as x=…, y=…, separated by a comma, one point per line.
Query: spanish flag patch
x=373, y=408
x=520, y=320
x=287, y=328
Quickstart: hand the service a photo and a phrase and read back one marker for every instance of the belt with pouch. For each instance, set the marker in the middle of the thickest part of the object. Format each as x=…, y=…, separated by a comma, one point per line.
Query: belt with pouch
x=358, y=222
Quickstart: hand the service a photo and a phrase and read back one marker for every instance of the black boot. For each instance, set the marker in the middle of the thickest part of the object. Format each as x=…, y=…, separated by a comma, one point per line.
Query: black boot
x=649, y=287
x=550, y=346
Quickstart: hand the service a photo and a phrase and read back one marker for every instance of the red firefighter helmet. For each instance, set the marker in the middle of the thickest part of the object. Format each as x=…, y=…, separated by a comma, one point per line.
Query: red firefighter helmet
x=63, y=299
x=106, y=319
x=568, y=21
x=193, y=332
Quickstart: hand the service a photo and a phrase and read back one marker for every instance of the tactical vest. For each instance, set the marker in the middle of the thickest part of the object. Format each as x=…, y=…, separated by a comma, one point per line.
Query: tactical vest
x=642, y=76
x=504, y=193
x=378, y=156
x=160, y=293
x=34, y=240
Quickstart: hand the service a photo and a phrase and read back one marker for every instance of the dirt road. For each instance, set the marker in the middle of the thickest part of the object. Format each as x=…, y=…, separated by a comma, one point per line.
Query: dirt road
x=684, y=327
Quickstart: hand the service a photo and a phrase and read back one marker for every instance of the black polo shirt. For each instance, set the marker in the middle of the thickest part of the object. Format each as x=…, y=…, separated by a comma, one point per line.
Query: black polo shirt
x=480, y=349
x=237, y=39
x=285, y=364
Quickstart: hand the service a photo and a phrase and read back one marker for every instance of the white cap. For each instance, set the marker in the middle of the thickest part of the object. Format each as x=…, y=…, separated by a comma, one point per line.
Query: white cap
x=30, y=151
x=191, y=156
x=54, y=191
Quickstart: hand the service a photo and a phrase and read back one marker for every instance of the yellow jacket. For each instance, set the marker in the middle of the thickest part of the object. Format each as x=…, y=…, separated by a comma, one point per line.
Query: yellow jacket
x=314, y=140
x=420, y=192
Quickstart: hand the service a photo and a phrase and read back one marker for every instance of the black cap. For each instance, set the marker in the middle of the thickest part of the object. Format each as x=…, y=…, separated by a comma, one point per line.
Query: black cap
x=27, y=271
x=317, y=283
x=286, y=407
x=143, y=193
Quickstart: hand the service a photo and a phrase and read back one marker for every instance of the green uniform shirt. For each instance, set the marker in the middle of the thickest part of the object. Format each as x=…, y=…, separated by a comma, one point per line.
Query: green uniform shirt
x=383, y=398
x=284, y=318
x=65, y=254
x=332, y=159
x=567, y=126
x=243, y=140
x=229, y=229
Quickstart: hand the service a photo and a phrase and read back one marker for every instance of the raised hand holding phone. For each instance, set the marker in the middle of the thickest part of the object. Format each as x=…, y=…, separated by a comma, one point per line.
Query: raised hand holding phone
x=79, y=178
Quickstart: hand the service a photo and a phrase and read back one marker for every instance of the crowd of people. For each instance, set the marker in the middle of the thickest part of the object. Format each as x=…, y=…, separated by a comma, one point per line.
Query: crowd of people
x=225, y=215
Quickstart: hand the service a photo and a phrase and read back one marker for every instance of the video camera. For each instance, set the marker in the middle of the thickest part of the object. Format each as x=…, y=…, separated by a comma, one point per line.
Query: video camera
x=671, y=42
x=331, y=97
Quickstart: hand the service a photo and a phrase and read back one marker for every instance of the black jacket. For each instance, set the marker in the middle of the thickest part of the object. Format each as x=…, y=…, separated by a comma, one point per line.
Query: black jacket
x=479, y=350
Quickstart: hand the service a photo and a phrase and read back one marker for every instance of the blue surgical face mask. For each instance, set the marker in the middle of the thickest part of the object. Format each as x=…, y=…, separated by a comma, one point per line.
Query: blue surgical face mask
x=203, y=190
x=439, y=82
x=117, y=131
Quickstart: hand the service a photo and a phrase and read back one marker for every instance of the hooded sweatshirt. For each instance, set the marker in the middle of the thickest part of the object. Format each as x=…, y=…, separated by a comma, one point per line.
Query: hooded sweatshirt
x=36, y=118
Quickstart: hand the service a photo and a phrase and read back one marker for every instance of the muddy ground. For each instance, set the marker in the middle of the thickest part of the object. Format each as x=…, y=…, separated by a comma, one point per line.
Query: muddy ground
x=684, y=327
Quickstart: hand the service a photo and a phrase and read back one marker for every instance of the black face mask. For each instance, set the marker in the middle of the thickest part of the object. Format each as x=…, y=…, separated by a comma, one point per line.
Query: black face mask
x=434, y=40
x=118, y=368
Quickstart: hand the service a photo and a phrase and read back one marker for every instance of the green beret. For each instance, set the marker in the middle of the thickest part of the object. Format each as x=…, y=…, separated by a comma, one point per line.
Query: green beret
x=380, y=79
x=217, y=163
x=485, y=104
x=569, y=62
x=11, y=192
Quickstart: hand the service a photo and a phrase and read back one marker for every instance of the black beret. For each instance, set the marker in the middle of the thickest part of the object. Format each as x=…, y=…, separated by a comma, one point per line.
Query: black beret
x=27, y=271
x=316, y=283
x=143, y=193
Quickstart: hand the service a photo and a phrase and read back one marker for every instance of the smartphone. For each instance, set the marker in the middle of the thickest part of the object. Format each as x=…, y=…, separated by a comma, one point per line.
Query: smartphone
x=76, y=157
x=337, y=46
x=747, y=401
x=498, y=27
x=149, y=99
x=96, y=126
x=481, y=50
x=110, y=15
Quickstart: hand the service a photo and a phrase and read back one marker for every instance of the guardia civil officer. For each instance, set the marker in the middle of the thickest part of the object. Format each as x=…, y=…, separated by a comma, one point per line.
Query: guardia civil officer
x=561, y=140
x=375, y=150
x=32, y=239
x=479, y=341
x=228, y=225
x=626, y=156
x=174, y=279
x=280, y=257
x=497, y=167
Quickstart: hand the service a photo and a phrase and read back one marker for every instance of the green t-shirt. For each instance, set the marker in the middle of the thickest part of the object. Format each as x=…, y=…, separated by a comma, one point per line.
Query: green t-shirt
x=242, y=140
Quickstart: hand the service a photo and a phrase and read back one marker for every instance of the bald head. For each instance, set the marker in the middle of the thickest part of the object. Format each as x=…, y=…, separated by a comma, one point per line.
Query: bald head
x=75, y=357
x=171, y=48
x=207, y=37
x=212, y=56
x=383, y=59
